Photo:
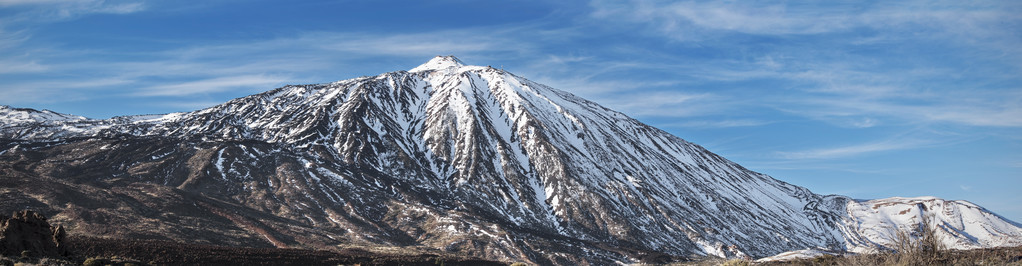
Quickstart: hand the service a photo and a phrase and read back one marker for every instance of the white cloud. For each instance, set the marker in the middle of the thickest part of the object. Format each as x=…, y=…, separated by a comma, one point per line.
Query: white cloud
x=257, y=65
x=25, y=15
x=919, y=138
x=816, y=38
x=55, y=10
x=853, y=150
x=220, y=84
x=686, y=19
x=1006, y=114
x=974, y=108
x=848, y=93
x=561, y=60
x=665, y=103
x=418, y=44
x=348, y=45
x=693, y=20
x=55, y=90
x=865, y=122
x=13, y=66
x=31, y=2
x=9, y=39
x=719, y=123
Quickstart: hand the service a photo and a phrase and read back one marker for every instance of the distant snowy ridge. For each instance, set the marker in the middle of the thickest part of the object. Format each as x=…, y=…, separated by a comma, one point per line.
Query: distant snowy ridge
x=518, y=155
x=31, y=124
x=870, y=226
x=960, y=224
x=14, y=116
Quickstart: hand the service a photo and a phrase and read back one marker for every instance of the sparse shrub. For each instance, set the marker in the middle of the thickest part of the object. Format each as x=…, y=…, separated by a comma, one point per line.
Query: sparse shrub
x=53, y=262
x=735, y=262
x=519, y=264
x=826, y=259
x=921, y=246
x=95, y=262
x=992, y=256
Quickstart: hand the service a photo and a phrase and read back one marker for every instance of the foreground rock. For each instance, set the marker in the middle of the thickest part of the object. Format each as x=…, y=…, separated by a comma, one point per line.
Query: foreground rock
x=28, y=231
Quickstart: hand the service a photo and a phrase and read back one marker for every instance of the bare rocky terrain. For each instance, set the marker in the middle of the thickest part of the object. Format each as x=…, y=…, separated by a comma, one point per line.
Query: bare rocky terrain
x=27, y=237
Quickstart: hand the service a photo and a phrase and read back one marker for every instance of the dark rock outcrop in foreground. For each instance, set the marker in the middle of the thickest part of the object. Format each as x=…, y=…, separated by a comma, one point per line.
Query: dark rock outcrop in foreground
x=29, y=231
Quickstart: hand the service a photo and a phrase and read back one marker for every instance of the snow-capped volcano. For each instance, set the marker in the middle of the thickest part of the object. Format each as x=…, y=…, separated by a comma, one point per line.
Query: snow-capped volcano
x=440, y=63
x=478, y=160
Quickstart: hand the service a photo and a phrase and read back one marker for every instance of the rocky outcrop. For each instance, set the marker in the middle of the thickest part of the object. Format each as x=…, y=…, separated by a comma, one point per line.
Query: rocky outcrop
x=28, y=231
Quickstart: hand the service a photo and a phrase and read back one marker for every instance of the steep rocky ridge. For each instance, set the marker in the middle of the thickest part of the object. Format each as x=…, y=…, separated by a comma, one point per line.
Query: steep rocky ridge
x=457, y=158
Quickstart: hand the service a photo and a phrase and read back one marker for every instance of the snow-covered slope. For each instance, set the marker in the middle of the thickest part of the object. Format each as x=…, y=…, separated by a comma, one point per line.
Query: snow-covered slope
x=505, y=154
x=14, y=116
x=25, y=123
x=960, y=224
x=797, y=255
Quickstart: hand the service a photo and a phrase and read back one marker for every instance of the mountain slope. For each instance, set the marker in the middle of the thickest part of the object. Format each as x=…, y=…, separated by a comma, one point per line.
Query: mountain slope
x=959, y=224
x=466, y=159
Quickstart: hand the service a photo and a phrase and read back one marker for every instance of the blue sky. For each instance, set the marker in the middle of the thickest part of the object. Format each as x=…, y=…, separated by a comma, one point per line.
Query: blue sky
x=868, y=99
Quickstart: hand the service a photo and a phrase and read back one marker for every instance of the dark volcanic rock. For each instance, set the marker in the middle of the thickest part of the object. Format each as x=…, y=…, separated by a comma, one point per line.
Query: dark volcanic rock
x=28, y=231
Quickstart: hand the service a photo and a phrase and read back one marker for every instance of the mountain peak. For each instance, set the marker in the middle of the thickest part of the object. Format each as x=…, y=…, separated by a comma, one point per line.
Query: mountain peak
x=439, y=62
x=455, y=157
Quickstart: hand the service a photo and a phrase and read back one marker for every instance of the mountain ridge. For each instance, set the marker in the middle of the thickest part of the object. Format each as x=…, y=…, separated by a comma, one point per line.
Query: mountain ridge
x=504, y=154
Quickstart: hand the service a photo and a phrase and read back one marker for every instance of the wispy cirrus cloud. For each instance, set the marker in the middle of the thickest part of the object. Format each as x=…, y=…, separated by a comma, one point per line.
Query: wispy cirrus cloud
x=691, y=20
x=720, y=123
x=683, y=18
x=66, y=9
x=10, y=39
x=853, y=150
x=218, y=84
x=997, y=110
x=919, y=138
x=328, y=44
x=17, y=66
x=50, y=91
x=835, y=62
x=662, y=103
x=239, y=66
x=19, y=57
